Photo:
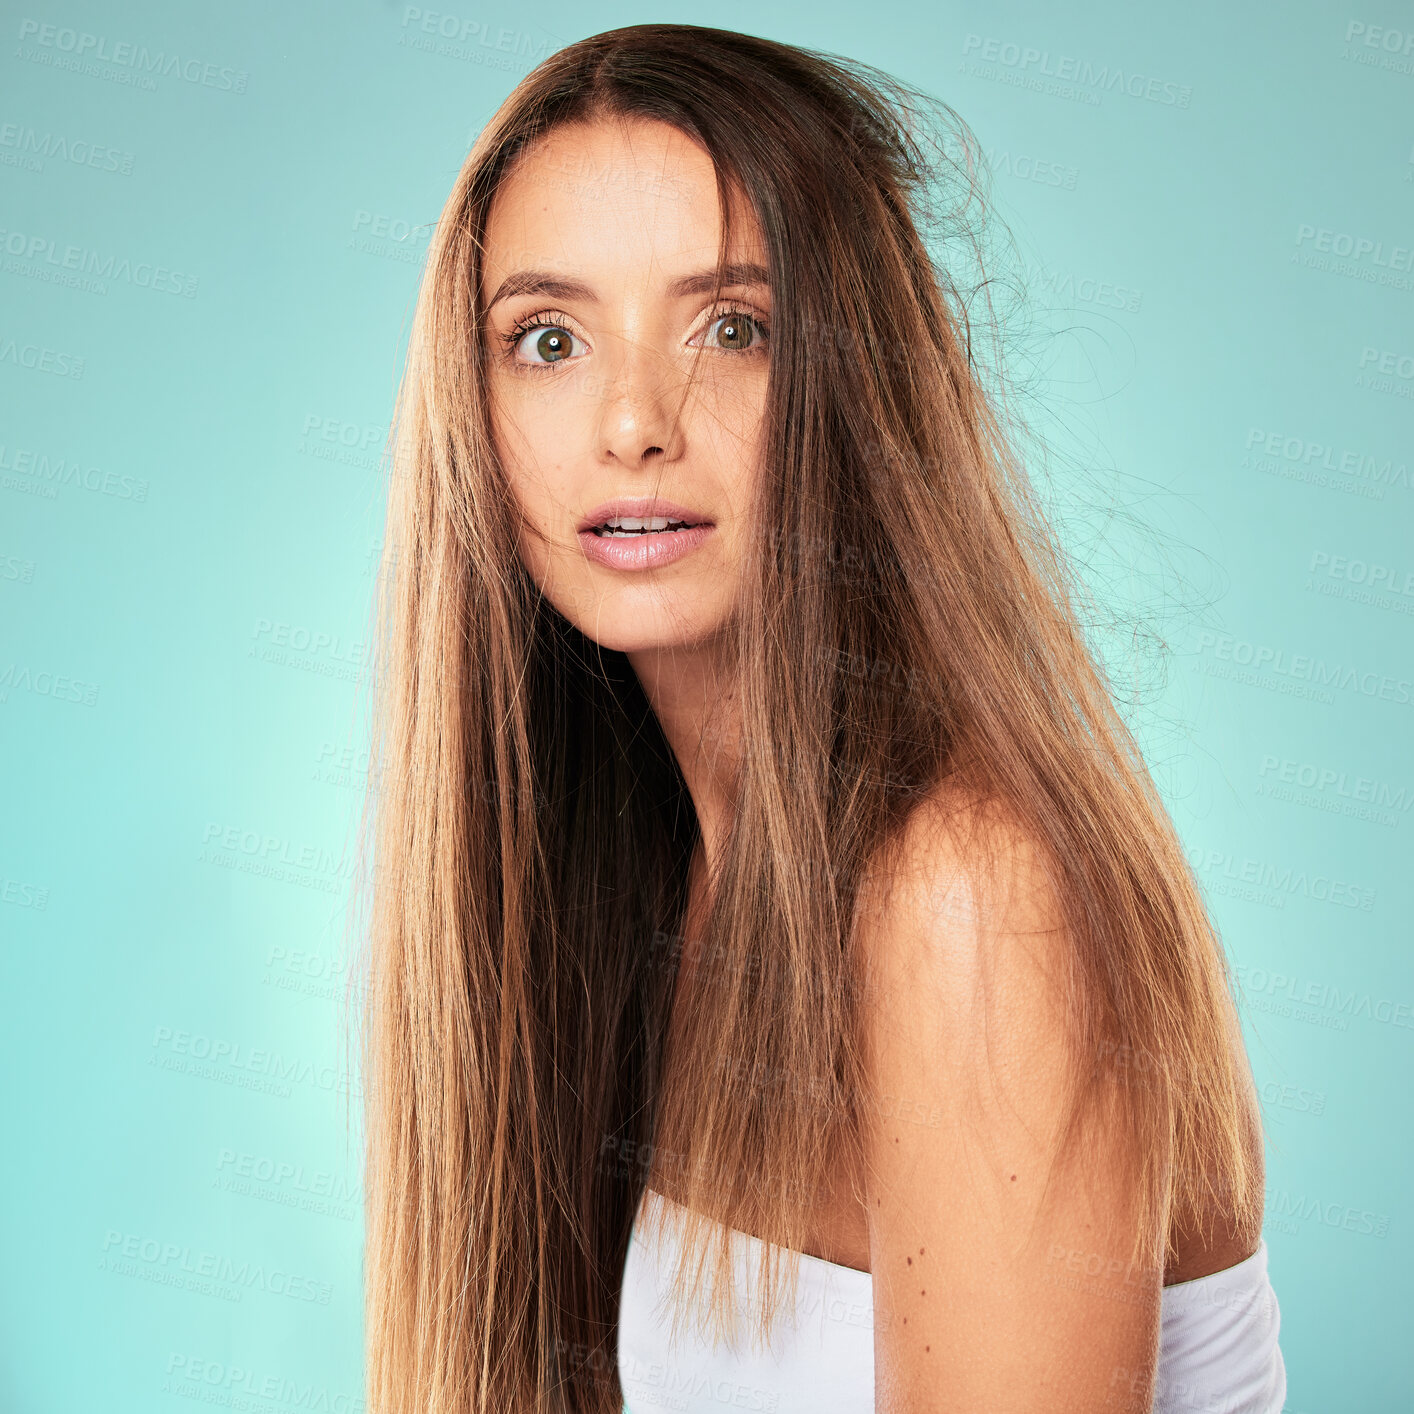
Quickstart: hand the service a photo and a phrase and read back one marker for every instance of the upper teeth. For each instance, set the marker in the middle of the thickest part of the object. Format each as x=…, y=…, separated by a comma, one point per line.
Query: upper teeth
x=640, y=523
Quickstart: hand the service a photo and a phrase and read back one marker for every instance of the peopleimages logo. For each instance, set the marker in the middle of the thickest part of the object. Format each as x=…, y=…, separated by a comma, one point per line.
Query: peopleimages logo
x=1379, y=47
x=239, y=1387
x=1392, y=579
x=41, y=257
x=62, y=48
x=230, y=1062
x=33, y=149
x=1318, y=460
x=1222, y=649
x=1063, y=285
x=1356, y=257
x=1069, y=69
x=1399, y=257
x=152, y=1258
x=1282, y=879
x=1341, y=783
x=1290, y=994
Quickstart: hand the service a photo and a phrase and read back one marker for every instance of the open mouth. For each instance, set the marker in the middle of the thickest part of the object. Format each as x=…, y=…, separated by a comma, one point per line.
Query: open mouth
x=651, y=536
x=617, y=527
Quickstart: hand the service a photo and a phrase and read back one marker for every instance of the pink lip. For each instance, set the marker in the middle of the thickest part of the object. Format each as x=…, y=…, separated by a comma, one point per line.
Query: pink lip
x=649, y=550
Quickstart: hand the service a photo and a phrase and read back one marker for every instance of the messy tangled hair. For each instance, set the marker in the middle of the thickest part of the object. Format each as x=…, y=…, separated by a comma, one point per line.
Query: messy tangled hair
x=532, y=829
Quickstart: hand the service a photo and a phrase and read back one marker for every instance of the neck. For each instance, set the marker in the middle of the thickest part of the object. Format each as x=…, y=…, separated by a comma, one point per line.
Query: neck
x=693, y=693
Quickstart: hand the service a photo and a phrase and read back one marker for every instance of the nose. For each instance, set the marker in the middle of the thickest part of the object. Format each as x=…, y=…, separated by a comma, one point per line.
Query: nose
x=640, y=408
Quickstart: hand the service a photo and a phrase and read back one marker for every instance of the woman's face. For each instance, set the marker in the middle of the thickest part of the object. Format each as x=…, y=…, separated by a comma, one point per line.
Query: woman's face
x=599, y=253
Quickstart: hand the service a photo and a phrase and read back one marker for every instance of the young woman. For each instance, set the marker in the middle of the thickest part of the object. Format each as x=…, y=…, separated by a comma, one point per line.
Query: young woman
x=763, y=871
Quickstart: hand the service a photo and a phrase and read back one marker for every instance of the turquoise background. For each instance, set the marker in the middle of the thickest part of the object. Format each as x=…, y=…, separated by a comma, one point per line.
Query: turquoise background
x=190, y=512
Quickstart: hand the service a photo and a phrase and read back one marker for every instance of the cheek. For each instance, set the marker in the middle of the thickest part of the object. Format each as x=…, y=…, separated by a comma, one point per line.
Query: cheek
x=731, y=425
x=526, y=450
x=535, y=523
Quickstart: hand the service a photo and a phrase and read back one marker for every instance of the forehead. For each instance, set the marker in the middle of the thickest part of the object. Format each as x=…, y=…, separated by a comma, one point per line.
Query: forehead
x=627, y=202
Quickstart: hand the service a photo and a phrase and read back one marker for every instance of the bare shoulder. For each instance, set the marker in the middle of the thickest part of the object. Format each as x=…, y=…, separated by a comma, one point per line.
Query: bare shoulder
x=968, y=960
x=974, y=1245
x=964, y=885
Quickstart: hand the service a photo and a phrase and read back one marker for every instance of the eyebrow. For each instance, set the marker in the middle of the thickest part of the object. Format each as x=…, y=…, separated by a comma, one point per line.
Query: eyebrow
x=543, y=282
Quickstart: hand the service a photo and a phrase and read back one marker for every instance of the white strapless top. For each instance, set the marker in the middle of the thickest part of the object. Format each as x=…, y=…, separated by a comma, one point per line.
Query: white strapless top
x=1218, y=1346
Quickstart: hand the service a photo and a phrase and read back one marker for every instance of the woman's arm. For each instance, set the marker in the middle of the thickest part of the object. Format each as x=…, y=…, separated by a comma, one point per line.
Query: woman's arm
x=987, y=1300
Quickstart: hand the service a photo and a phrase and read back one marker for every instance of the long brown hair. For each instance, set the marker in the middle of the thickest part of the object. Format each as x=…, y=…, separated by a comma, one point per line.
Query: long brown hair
x=533, y=834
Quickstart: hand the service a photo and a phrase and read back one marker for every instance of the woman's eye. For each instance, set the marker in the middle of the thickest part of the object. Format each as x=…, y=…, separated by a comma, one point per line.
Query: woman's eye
x=553, y=343
x=739, y=332
x=540, y=343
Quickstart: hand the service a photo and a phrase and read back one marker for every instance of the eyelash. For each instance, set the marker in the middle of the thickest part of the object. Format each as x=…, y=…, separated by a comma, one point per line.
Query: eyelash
x=555, y=319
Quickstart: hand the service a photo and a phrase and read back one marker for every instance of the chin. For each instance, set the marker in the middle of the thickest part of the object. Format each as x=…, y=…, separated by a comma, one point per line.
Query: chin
x=641, y=623
x=641, y=634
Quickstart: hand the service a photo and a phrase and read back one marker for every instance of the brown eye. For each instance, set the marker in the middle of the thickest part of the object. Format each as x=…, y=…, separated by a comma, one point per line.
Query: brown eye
x=541, y=340
x=738, y=331
x=553, y=344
